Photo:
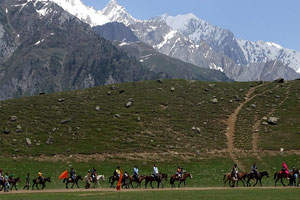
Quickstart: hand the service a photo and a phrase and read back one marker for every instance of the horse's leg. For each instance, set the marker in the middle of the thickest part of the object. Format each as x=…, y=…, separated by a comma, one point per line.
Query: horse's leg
x=67, y=185
x=184, y=183
x=151, y=185
x=276, y=180
x=282, y=182
x=260, y=182
x=243, y=183
x=179, y=184
x=255, y=183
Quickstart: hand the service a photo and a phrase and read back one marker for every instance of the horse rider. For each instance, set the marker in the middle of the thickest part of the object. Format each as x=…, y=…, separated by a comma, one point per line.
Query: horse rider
x=27, y=184
x=284, y=169
x=117, y=172
x=155, y=172
x=11, y=176
x=234, y=172
x=135, y=173
x=40, y=176
x=254, y=170
x=1, y=177
x=178, y=173
x=72, y=174
x=293, y=172
x=94, y=175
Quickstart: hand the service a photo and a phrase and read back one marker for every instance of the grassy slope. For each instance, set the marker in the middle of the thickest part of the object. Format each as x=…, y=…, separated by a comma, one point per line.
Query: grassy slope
x=166, y=117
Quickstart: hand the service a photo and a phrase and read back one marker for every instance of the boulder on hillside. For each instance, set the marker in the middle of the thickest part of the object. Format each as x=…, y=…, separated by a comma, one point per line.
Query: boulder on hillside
x=273, y=120
x=13, y=118
x=50, y=140
x=28, y=141
x=214, y=100
x=279, y=80
x=172, y=89
x=129, y=104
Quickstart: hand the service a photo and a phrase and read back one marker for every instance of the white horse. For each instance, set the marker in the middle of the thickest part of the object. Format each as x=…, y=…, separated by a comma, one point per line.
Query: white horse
x=88, y=182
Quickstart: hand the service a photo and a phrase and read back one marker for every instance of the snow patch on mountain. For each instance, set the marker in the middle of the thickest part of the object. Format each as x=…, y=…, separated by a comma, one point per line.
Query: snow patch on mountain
x=86, y=14
x=261, y=51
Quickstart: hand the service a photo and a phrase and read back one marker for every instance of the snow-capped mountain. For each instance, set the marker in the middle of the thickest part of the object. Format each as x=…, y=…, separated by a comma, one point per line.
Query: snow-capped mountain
x=198, y=30
x=261, y=51
x=188, y=38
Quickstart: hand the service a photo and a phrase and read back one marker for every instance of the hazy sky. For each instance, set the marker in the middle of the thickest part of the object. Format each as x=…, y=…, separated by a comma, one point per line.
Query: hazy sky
x=268, y=20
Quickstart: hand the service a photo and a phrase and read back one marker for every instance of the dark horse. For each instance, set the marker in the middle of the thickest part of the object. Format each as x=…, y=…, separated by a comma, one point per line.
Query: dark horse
x=293, y=177
x=281, y=175
x=75, y=182
x=159, y=179
x=181, y=180
x=228, y=178
x=3, y=186
x=257, y=177
x=37, y=182
x=112, y=180
x=138, y=181
x=13, y=182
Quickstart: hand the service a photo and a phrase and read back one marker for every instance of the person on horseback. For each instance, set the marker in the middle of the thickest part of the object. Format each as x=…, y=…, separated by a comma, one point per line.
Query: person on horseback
x=117, y=172
x=284, y=169
x=94, y=175
x=72, y=174
x=6, y=181
x=178, y=173
x=1, y=176
x=254, y=170
x=135, y=173
x=155, y=172
x=234, y=172
x=40, y=176
x=11, y=176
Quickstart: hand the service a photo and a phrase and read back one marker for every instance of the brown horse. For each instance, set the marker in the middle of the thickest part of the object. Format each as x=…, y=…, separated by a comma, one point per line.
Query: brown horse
x=13, y=182
x=159, y=179
x=181, y=179
x=38, y=181
x=241, y=177
x=70, y=180
x=138, y=181
x=282, y=175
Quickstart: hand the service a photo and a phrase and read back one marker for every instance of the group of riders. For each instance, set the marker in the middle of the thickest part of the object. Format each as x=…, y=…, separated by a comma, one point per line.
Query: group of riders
x=254, y=171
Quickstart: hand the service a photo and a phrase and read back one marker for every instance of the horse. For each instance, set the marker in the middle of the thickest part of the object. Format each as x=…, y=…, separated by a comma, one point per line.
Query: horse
x=280, y=175
x=96, y=181
x=241, y=177
x=138, y=181
x=112, y=180
x=70, y=180
x=159, y=178
x=13, y=182
x=3, y=185
x=42, y=182
x=257, y=177
x=181, y=179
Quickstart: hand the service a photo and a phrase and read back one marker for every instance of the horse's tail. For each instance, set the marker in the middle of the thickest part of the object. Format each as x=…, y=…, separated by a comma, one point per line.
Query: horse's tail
x=275, y=175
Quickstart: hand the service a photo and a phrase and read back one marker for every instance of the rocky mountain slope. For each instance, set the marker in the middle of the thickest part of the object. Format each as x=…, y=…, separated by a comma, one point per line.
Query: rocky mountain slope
x=185, y=36
x=50, y=50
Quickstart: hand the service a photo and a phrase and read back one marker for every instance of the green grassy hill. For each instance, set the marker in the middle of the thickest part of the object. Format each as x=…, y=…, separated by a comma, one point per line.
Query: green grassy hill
x=159, y=120
x=170, y=122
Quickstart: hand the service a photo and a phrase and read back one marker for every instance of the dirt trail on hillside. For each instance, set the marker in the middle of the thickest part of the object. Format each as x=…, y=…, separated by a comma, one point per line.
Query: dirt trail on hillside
x=231, y=126
x=91, y=191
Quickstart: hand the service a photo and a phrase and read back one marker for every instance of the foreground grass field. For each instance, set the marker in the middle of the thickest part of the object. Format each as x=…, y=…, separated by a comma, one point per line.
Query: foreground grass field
x=245, y=194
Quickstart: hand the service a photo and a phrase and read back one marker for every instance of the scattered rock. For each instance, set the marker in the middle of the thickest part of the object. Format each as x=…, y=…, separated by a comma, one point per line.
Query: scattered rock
x=253, y=105
x=273, y=120
x=199, y=130
x=42, y=93
x=19, y=127
x=193, y=128
x=109, y=93
x=241, y=90
x=50, y=140
x=237, y=98
x=172, y=89
x=38, y=144
x=160, y=81
x=28, y=141
x=65, y=121
x=17, y=150
x=264, y=123
x=14, y=140
x=265, y=118
x=211, y=85
x=171, y=147
x=230, y=101
x=121, y=91
x=280, y=80
x=13, y=118
x=215, y=100
x=206, y=90
x=117, y=116
x=138, y=119
x=54, y=129
x=277, y=96
x=68, y=150
x=97, y=108
x=6, y=132
x=281, y=150
x=61, y=100
x=270, y=92
x=129, y=104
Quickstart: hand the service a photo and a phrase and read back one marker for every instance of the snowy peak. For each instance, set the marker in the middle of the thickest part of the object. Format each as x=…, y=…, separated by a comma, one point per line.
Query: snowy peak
x=117, y=13
x=86, y=14
x=261, y=51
